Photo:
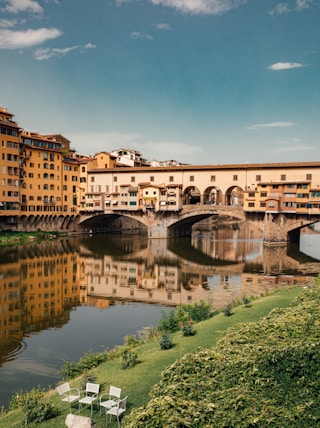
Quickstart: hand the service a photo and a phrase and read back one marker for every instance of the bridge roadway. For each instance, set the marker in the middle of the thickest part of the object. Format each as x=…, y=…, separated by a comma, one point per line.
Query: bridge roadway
x=277, y=228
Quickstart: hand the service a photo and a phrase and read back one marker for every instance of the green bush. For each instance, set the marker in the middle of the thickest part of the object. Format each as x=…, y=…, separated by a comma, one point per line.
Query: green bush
x=169, y=321
x=128, y=358
x=35, y=405
x=88, y=361
x=227, y=310
x=165, y=341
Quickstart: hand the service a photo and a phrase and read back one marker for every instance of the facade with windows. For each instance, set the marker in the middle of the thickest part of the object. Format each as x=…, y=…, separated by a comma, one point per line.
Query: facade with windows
x=284, y=196
x=10, y=170
x=50, y=179
x=290, y=187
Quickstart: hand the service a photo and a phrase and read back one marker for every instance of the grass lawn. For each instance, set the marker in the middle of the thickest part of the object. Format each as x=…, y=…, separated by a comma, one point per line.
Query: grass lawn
x=136, y=382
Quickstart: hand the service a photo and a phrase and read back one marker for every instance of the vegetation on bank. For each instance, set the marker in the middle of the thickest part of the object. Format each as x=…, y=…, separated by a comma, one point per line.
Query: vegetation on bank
x=13, y=238
x=261, y=374
x=177, y=383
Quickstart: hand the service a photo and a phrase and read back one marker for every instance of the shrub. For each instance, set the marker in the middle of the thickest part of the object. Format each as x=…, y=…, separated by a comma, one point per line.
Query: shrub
x=246, y=301
x=186, y=326
x=165, y=341
x=169, y=321
x=198, y=311
x=89, y=360
x=35, y=405
x=132, y=342
x=227, y=310
x=128, y=358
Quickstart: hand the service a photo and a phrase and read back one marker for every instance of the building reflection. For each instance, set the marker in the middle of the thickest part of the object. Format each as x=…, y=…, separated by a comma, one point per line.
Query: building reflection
x=40, y=285
x=36, y=293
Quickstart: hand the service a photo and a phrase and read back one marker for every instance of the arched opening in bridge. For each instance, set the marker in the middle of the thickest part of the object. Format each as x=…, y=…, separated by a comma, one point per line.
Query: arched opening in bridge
x=234, y=196
x=191, y=196
x=212, y=196
x=112, y=223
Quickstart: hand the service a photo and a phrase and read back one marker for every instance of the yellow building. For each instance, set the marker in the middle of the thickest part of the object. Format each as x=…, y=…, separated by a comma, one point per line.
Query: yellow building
x=50, y=178
x=283, y=196
x=10, y=171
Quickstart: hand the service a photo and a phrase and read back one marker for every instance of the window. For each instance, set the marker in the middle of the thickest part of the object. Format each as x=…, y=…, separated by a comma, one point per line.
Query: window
x=251, y=195
x=213, y=178
x=235, y=178
x=309, y=177
x=262, y=204
x=263, y=194
x=283, y=177
x=152, y=178
x=115, y=178
x=191, y=177
x=258, y=177
x=171, y=178
x=92, y=179
x=133, y=179
x=251, y=204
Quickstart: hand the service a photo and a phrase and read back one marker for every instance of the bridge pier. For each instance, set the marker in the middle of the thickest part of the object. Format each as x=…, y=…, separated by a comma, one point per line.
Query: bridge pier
x=275, y=230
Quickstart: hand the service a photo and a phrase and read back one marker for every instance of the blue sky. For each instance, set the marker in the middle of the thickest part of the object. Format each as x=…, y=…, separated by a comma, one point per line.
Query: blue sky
x=199, y=81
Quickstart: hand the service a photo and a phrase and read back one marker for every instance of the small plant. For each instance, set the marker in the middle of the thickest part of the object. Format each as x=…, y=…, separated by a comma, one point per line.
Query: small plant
x=169, y=321
x=186, y=326
x=165, y=341
x=35, y=405
x=128, y=358
x=246, y=301
x=132, y=342
x=227, y=310
x=89, y=360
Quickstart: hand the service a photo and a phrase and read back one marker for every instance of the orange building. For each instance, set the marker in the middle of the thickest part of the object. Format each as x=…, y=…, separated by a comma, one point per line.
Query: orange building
x=10, y=171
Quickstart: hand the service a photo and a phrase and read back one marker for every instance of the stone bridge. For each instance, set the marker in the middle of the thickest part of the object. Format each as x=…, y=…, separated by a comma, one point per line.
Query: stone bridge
x=277, y=228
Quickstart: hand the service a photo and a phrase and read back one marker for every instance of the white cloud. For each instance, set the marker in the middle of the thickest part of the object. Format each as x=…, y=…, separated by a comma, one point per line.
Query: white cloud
x=195, y=7
x=21, y=39
x=285, y=66
x=280, y=9
x=283, y=8
x=303, y=4
x=17, y=6
x=7, y=23
x=271, y=125
x=163, y=26
x=140, y=36
x=47, y=53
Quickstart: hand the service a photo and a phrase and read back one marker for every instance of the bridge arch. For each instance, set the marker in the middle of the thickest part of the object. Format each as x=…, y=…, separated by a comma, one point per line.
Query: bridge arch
x=114, y=222
x=234, y=196
x=212, y=195
x=191, y=196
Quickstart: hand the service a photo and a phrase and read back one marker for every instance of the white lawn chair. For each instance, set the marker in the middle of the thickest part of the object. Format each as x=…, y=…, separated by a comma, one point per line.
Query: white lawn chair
x=113, y=396
x=117, y=410
x=67, y=394
x=91, y=395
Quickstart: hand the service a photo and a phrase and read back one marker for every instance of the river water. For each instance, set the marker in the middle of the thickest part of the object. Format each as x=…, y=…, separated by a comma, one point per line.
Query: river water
x=59, y=299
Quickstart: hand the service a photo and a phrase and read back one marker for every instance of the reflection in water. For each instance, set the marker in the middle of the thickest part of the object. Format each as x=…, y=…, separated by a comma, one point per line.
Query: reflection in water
x=42, y=284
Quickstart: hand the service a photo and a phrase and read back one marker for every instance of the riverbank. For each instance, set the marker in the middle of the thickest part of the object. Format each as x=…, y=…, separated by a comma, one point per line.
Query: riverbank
x=137, y=382
x=9, y=238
